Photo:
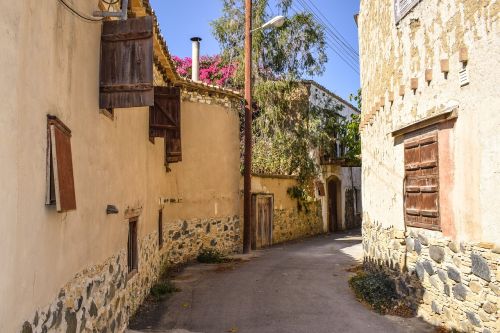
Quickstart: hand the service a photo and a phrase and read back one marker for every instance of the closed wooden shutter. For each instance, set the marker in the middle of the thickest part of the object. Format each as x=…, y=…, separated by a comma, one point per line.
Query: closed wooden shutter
x=126, y=71
x=60, y=182
x=422, y=181
x=165, y=121
x=402, y=7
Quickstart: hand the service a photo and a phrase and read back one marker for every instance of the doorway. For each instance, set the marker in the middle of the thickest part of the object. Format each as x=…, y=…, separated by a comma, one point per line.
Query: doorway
x=262, y=220
x=333, y=211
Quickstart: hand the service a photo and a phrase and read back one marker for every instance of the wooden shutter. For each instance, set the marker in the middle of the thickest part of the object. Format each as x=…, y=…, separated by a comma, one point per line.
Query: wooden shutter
x=60, y=183
x=165, y=121
x=126, y=75
x=402, y=7
x=422, y=181
x=320, y=186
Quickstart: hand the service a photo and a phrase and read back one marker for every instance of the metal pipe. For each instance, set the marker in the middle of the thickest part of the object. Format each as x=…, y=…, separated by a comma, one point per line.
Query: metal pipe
x=195, y=59
x=124, y=9
x=123, y=14
x=247, y=177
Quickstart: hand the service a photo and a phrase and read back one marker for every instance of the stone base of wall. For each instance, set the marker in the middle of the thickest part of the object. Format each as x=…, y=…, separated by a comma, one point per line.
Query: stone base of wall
x=294, y=224
x=456, y=285
x=102, y=298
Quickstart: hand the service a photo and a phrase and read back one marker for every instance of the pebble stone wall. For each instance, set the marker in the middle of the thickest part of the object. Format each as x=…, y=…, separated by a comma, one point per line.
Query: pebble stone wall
x=102, y=298
x=290, y=224
x=456, y=285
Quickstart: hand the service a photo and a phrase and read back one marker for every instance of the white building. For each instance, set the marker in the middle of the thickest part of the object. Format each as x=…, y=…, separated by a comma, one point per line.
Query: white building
x=339, y=187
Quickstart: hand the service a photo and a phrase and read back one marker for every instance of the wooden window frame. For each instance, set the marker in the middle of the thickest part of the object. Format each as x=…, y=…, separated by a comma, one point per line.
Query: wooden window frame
x=165, y=121
x=400, y=13
x=132, y=247
x=421, y=204
x=60, y=188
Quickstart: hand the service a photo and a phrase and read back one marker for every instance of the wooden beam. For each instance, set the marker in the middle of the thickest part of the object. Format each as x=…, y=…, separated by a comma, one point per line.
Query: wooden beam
x=445, y=116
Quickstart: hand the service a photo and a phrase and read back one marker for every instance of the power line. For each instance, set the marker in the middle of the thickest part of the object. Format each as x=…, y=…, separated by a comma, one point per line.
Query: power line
x=343, y=47
x=85, y=17
x=345, y=42
x=341, y=53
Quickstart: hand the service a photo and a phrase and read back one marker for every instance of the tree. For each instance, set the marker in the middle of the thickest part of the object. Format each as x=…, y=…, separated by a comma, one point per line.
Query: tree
x=296, y=49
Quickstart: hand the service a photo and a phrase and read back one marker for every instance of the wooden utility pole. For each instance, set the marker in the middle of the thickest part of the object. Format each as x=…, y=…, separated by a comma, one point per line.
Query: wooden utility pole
x=247, y=181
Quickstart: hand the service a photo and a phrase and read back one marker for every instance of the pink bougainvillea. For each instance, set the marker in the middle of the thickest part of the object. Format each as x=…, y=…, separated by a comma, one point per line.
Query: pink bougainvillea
x=212, y=69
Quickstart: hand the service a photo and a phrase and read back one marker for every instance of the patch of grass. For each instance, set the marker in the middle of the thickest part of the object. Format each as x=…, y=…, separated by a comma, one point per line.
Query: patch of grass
x=162, y=289
x=375, y=289
x=211, y=256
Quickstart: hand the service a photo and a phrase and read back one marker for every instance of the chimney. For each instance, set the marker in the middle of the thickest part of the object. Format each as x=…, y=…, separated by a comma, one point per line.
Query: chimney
x=196, y=59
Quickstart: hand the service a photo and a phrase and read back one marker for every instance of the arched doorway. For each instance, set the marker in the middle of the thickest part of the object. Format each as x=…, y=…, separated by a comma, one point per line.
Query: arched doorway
x=333, y=204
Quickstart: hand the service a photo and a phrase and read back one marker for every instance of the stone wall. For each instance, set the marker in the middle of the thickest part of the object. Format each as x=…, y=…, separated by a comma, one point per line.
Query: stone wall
x=102, y=298
x=449, y=283
x=292, y=223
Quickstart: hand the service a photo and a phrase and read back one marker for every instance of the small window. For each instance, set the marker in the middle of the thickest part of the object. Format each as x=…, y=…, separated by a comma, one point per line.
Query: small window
x=359, y=207
x=60, y=189
x=165, y=121
x=421, y=186
x=403, y=7
x=132, y=258
x=160, y=228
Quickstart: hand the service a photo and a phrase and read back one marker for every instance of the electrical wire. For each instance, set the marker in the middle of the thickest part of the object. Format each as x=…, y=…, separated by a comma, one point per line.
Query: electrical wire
x=85, y=17
x=346, y=49
x=344, y=41
x=346, y=55
x=110, y=2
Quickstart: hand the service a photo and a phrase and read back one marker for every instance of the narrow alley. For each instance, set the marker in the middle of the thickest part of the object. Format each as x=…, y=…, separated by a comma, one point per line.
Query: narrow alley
x=294, y=287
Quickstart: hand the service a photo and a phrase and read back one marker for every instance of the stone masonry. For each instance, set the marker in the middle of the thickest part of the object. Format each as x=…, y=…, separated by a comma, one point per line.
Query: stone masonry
x=290, y=224
x=448, y=283
x=102, y=298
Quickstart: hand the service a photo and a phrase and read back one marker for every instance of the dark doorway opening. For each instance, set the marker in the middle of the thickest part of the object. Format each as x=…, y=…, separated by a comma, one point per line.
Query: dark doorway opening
x=333, y=204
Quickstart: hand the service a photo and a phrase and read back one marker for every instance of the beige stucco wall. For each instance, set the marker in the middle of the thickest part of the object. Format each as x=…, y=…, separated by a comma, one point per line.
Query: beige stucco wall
x=50, y=64
x=393, y=54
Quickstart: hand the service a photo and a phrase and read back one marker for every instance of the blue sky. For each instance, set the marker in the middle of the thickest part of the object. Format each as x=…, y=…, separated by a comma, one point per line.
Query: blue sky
x=182, y=19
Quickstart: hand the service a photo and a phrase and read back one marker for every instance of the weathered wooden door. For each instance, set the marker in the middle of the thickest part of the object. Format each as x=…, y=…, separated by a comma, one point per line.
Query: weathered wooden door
x=332, y=206
x=262, y=220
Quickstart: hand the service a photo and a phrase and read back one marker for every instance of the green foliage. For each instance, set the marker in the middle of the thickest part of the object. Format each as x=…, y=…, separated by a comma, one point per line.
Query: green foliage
x=211, y=256
x=286, y=129
x=376, y=289
x=296, y=49
x=302, y=197
x=162, y=288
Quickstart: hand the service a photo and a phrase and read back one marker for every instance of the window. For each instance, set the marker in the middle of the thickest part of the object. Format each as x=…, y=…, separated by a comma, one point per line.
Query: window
x=403, y=7
x=160, y=228
x=165, y=121
x=359, y=207
x=126, y=68
x=421, y=197
x=60, y=189
x=132, y=258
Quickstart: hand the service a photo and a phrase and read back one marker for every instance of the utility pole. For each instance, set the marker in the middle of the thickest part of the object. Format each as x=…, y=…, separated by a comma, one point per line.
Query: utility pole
x=247, y=177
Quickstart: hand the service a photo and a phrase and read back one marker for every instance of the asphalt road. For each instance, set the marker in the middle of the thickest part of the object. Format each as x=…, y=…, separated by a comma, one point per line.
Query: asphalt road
x=292, y=288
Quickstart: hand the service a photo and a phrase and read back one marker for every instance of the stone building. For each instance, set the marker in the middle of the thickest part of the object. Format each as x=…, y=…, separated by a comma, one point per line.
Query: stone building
x=337, y=198
x=339, y=186
x=96, y=202
x=431, y=158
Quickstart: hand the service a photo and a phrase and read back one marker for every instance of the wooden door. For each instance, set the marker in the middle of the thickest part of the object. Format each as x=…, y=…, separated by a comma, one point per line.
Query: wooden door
x=332, y=206
x=262, y=221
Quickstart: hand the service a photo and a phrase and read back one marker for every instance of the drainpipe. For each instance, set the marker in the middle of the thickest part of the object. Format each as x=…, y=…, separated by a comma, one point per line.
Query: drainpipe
x=195, y=67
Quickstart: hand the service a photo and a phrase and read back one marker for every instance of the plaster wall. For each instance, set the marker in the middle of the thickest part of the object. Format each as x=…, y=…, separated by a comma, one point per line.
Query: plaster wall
x=391, y=55
x=289, y=222
x=343, y=175
x=51, y=65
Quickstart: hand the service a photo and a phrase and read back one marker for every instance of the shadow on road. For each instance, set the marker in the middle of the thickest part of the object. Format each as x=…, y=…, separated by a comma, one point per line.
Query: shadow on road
x=300, y=286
